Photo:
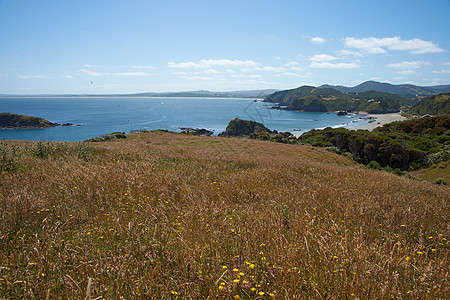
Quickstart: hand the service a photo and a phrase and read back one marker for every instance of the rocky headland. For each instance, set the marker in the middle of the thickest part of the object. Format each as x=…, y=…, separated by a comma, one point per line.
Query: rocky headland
x=15, y=121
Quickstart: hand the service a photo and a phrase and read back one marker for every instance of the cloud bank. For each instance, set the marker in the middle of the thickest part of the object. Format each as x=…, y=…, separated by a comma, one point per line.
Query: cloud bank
x=381, y=45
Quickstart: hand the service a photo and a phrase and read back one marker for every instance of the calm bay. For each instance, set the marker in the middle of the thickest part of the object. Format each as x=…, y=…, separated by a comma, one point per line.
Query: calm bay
x=101, y=115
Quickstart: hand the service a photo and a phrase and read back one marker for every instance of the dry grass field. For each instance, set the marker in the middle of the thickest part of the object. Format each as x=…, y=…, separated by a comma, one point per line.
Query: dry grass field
x=171, y=216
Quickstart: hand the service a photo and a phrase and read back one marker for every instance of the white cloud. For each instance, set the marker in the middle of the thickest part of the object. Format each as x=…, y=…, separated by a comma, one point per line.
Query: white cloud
x=230, y=71
x=318, y=40
x=328, y=65
x=198, y=78
x=247, y=76
x=345, y=52
x=230, y=63
x=295, y=75
x=407, y=72
x=296, y=69
x=185, y=65
x=270, y=69
x=379, y=45
x=21, y=76
x=322, y=57
x=137, y=74
x=92, y=73
x=443, y=71
x=211, y=71
x=446, y=64
x=291, y=63
x=407, y=65
x=92, y=66
x=207, y=63
x=143, y=67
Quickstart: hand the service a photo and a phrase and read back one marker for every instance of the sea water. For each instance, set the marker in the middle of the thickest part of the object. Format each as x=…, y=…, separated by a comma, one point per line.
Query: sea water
x=96, y=116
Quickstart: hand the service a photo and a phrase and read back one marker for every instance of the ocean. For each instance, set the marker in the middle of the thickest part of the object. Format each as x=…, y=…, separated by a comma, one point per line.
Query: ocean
x=97, y=116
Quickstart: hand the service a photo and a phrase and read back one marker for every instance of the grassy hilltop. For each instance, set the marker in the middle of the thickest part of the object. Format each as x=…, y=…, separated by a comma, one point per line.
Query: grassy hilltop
x=171, y=216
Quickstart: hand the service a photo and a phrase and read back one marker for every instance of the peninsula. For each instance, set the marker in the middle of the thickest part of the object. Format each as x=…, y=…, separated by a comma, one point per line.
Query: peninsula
x=15, y=121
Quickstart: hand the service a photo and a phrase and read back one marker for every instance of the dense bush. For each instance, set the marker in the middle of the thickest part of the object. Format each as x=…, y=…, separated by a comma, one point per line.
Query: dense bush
x=405, y=145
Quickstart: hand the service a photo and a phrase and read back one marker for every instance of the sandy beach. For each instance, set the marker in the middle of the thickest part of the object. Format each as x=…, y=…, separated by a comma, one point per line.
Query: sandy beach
x=377, y=120
x=380, y=120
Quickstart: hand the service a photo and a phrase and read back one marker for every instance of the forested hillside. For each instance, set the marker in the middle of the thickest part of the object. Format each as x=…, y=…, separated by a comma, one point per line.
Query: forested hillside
x=434, y=105
x=308, y=98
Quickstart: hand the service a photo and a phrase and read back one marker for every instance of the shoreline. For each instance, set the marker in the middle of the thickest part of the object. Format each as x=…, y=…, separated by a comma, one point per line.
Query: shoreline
x=379, y=120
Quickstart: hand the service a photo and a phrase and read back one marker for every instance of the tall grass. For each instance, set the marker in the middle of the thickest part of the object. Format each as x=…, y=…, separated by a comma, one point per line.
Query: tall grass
x=166, y=215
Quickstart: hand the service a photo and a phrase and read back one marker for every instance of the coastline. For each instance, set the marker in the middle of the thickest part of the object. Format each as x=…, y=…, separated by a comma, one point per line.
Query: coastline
x=379, y=120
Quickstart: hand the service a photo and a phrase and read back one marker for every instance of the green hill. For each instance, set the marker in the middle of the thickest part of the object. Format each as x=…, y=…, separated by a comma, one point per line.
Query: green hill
x=405, y=90
x=310, y=103
x=328, y=99
x=14, y=121
x=285, y=97
x=434, y=105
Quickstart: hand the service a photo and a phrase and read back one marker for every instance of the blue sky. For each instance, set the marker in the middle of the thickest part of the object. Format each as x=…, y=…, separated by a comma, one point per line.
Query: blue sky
x=108, y=46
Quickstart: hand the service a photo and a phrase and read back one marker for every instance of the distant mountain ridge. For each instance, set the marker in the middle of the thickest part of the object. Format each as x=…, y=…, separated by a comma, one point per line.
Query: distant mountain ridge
x=405, y=90
x=202, y=93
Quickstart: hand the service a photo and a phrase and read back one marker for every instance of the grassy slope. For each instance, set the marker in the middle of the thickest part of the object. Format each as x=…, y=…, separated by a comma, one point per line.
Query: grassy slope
x=166, y=215
x=434, y=173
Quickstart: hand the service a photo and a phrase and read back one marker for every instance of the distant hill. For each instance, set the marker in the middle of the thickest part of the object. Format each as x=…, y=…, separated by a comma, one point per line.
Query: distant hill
x=309, y=98
x=434, y=105
x=202, y=93
x=405, y=90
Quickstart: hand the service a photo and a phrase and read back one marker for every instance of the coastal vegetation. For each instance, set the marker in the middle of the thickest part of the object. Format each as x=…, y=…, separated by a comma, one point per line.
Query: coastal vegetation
x=397, y=146
x=169, y=216
x=108, y=137
x=437, y=104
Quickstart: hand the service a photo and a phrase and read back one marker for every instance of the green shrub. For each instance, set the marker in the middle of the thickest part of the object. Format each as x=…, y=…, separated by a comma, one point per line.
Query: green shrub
x=108, y=137
x=374, y=165
x=9, y=158
x=441, y=181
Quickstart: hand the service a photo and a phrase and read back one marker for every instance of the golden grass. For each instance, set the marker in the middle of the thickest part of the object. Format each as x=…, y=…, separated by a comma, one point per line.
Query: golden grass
x=164, y=215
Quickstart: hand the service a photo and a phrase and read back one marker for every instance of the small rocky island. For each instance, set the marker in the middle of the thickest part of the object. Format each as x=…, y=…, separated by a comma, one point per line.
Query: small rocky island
x=239, y=127
x=14, y=121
